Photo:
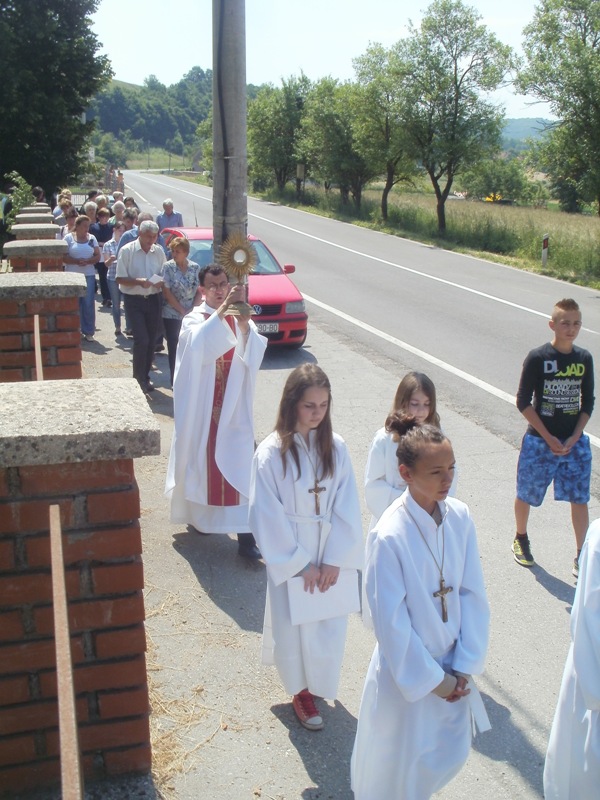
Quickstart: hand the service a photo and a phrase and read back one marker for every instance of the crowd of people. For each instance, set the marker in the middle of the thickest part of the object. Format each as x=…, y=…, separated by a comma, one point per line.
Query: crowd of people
x=293, y=502
x=424, y=588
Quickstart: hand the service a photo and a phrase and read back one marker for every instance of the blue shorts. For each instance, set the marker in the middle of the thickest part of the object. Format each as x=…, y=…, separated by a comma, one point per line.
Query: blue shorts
x=538, y=467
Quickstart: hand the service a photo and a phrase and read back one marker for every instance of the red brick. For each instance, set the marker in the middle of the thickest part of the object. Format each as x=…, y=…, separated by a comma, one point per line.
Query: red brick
x=12, y=375
x=9, y=308
x=59, y=339
x=113, y=506
x=64, y=372
x=14, y=690
x=118, y=578
x=29, y=776
x=114, y=734
x=97, y=545
x=57, y=305
x=7, y=554
x=11, y=625
x=133, y=759
x=30, y=717
x=68, y=322
x=92, y=615
x=124, y=642
x=68, y=355
x=17, y=749
x=27, y=656
x=3, y=483
x=33, y=515
x=122, y=674
x=16, y=324
x=103, y=544
x=37, y=549
x=72, y=478
x=132, y=703
x=11, y=341
x=17, y=358
x=26, y=587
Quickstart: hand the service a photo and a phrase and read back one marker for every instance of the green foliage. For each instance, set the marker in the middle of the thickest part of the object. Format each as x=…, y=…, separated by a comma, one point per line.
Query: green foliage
x=51, y=71
x=274, y=118
x=562, y=50
x=21, y=197
x=161, y=115
x=379, y=130
x=444, y=67
x=328, y=143
x=499, y=179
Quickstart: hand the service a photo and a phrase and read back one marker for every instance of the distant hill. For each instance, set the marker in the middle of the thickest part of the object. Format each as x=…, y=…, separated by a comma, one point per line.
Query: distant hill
x=517, y=131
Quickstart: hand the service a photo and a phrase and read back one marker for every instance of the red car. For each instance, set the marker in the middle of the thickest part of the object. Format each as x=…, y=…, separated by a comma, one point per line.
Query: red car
x=279, y=311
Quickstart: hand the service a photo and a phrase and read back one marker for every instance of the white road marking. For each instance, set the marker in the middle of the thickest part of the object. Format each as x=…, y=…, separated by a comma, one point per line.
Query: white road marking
x=454, y=285
x=459, y=373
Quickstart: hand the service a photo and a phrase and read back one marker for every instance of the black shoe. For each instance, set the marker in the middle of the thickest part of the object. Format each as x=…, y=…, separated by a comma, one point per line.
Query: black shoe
x=250, y=551
x=128, y=332
x=159, y=348
x=147, y=387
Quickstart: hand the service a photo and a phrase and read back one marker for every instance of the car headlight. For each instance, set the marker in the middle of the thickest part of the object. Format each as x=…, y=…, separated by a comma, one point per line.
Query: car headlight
x=294, y=308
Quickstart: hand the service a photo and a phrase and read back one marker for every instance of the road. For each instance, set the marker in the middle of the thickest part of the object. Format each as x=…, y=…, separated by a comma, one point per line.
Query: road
x=378, y=306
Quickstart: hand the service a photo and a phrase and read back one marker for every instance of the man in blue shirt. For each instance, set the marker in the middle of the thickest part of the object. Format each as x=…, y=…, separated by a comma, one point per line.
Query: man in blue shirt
x=169, y=218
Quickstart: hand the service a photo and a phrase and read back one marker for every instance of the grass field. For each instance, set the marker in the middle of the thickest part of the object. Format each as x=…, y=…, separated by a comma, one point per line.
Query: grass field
x=507, y=234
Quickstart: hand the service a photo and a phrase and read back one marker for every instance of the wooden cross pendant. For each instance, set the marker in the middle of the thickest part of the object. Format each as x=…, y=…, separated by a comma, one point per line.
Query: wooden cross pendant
x=441, y=593
x=317, y=491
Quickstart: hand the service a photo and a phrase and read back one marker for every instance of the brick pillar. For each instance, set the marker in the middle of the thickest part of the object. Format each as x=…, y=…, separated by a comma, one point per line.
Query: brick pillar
x=59, y=445
x=24, y=256
x=54, y=296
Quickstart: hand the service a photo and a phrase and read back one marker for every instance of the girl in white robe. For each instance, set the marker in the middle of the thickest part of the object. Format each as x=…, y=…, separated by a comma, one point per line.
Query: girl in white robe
x=572, y=769
x=431, y=617
x=415, y=397
x=308, y=533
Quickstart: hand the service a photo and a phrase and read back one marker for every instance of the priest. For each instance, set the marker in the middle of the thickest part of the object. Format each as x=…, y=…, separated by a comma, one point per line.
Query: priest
x=218, y=358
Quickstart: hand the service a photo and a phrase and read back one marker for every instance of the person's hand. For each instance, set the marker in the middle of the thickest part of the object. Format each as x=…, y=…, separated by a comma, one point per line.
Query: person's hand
x=570, y=442
x=556, y=446
x=459, y=691
x=328, y=577
x=311, y=578
x=243, y=325
x=237, y=294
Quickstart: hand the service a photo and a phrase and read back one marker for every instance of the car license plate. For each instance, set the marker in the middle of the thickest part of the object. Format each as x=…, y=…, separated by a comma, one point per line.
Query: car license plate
x=267, y=327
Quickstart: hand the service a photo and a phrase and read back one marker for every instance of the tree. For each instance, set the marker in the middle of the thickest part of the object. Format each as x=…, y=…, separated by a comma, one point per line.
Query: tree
x=562, y=52
x=379, y=130
x=51, y=70
x=444, y=67
x=274, y=118
x=499, y=178
x=328, y=142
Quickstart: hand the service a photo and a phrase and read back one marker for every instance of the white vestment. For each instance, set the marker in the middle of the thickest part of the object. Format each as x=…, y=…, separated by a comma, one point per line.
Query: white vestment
x=383, y=485
x=201, y=342
x=572, y=769
x=410, y=742
x=283, y=521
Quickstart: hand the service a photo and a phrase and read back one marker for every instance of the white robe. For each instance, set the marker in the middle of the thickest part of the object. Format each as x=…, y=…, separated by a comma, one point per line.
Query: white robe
x=383, y=485
x=201, y=342
x=410, y=742
x=572, y=769
x=308, y=655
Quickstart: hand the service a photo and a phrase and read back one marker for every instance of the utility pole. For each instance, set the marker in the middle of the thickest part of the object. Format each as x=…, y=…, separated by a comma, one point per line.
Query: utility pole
x=230, y=202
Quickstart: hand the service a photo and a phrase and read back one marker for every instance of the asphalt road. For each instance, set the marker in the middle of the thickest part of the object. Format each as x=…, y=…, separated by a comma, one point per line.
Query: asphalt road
x=205, y=605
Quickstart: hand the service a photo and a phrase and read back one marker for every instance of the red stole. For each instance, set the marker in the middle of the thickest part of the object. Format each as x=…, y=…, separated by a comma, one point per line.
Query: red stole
x=219, y=491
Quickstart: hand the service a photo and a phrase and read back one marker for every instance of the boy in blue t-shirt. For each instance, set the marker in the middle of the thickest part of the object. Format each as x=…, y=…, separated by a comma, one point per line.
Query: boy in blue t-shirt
x=556, y=397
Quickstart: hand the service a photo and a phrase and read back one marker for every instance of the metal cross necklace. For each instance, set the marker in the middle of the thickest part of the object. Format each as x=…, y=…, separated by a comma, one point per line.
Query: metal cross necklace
x=316, y=490
x=443, y=590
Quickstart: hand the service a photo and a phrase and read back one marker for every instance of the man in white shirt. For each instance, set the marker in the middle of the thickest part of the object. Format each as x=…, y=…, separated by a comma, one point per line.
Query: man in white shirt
x=139, y=270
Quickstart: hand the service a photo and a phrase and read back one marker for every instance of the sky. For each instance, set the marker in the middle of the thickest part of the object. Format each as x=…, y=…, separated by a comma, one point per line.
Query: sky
x=283, y=37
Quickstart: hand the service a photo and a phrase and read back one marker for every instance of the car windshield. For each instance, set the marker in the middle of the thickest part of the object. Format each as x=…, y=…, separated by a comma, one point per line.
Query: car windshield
x=201, y=251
